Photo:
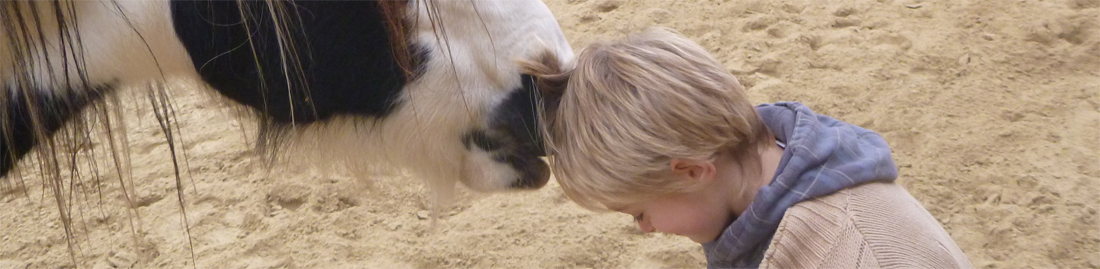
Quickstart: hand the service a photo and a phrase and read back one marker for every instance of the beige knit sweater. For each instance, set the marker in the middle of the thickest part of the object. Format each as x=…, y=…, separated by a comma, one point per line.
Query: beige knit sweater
x=870, y=226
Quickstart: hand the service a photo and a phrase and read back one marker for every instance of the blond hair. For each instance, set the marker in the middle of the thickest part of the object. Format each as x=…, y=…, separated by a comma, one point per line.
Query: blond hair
x=624, y=109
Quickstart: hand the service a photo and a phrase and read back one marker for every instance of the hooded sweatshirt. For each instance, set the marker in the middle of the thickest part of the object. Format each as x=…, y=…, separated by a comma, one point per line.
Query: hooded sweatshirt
x=822, y=156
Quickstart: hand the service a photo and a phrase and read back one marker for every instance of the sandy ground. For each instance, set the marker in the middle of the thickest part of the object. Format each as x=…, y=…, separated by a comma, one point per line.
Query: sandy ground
x=992, y=108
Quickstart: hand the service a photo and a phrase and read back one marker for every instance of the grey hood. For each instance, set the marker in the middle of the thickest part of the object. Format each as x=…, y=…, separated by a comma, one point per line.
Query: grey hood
x=822, y=156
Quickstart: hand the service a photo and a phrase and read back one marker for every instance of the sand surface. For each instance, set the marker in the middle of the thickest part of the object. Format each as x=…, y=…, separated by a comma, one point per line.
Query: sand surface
x=992, y=107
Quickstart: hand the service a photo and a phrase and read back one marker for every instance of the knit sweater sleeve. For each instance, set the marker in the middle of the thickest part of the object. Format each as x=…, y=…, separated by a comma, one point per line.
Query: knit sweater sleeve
x=869, y=226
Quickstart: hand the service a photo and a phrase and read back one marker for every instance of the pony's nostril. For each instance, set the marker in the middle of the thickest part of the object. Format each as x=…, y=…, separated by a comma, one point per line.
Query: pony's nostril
x=534, y=176
x=543, y=175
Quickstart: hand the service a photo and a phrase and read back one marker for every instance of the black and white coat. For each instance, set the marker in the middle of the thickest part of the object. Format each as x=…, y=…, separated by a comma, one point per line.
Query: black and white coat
x=435, y=90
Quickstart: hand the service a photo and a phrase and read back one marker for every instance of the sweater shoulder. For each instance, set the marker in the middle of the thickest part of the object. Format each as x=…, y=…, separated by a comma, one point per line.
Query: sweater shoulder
x=867, y=226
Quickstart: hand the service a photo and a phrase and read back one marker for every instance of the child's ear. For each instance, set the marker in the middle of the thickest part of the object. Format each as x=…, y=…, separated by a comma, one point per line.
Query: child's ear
x=701, y=171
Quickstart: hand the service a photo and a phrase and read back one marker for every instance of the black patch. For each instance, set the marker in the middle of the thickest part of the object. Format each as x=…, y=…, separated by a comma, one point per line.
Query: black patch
x=535, y=172
x=481, y=140
x=502, y=148
x=518, y=115
x=343, y=47
x=17, y=135
x=513, y=137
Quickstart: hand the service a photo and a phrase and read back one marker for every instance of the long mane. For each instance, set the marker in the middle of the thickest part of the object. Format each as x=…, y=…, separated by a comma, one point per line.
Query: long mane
x=31, y=29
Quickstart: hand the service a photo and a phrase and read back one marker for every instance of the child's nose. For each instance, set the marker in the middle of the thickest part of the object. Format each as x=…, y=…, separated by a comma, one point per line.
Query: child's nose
x=646, y=227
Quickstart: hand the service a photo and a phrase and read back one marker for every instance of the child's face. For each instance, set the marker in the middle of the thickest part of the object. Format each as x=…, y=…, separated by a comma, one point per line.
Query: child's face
x=700, y=216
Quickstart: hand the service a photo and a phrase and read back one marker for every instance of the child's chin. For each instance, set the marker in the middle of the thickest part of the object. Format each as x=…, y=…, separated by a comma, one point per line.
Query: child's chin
x=702, y=239
x=698, y=240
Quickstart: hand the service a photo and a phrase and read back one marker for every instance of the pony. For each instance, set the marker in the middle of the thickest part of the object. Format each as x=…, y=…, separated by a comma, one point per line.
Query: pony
x=432, y=87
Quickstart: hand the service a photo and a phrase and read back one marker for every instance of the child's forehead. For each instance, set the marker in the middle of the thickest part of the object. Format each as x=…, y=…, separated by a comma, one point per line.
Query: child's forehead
x=621, y=206
x=631, y=202
x=617, y=208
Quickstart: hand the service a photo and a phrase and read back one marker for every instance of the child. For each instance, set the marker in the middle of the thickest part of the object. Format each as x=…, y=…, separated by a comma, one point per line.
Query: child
x=655, y=127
